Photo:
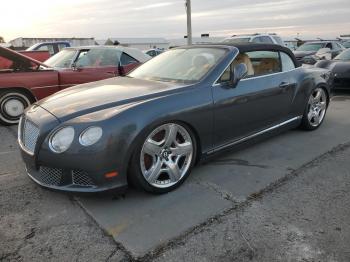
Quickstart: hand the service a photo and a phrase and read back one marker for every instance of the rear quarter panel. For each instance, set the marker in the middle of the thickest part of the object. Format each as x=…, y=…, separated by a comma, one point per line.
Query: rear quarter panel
x=305, y=80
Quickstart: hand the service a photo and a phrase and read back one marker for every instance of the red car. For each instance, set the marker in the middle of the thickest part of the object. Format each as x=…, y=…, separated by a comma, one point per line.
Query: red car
x=24, y=80
x=37, y=55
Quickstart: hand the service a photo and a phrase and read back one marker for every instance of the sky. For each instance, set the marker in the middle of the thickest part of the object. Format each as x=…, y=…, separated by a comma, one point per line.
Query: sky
x=167, y=18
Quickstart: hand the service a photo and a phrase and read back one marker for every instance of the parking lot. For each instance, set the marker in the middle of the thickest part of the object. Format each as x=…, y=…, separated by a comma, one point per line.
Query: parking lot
x=36, y=223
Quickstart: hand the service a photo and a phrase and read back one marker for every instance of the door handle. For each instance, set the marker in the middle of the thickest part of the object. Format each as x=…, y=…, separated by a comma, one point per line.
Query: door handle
x=284, y=85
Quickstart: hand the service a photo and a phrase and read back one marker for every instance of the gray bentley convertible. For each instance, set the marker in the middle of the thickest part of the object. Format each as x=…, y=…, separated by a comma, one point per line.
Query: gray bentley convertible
x=150, y=127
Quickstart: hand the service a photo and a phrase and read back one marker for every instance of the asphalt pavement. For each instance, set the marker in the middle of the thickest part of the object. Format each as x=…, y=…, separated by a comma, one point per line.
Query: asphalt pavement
x=284, y=199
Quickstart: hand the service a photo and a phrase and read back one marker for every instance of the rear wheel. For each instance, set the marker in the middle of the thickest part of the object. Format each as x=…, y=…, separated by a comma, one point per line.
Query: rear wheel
x=12, y=105
x=164, y=158
x=316, y=109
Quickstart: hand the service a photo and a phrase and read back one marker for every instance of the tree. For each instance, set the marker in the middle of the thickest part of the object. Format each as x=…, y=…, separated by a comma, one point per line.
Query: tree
x=2, y=40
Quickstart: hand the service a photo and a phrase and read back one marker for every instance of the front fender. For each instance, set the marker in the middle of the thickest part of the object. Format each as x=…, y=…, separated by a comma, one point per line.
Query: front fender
x=192, y=107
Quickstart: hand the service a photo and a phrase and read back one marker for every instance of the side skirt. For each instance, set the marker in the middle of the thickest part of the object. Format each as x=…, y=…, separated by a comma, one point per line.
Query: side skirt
x=262, y=132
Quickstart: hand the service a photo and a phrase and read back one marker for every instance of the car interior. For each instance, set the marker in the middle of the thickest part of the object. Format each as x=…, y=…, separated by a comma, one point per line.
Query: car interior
x=200, y=65
x=266, y=66
x=258, y=63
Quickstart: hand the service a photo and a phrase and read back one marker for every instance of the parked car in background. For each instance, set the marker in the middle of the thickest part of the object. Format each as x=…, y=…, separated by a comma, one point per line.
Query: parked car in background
x=154, y=52
x=37, y=55
x=306, y=53
x=51, y=47
x=151, y=127
x=346, y=44
x=43, y=51
x=24, y=80
x=292, y=45
x=40, y=56
x=340, y=68
x=255, y=38
x=87, y=58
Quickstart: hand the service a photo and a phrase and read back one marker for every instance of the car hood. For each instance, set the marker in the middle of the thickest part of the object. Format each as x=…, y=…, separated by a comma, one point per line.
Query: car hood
x=300, y=54
x=13, y=55
x=87, y=98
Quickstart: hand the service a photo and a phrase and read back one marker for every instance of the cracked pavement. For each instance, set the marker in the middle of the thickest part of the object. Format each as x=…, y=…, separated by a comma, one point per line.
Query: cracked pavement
x=283, y=199
x=303, y=218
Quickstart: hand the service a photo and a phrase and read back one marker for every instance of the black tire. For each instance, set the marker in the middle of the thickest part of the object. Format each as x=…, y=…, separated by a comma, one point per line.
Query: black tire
x=135, y=175
x=10, y=115
x=306, y=123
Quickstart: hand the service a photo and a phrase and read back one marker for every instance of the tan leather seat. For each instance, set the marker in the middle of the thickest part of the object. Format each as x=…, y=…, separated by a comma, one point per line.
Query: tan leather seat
x=244, y=59
x=267, y=66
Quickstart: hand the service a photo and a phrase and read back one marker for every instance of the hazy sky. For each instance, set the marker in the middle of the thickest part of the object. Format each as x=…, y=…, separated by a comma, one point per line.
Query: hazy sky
x=166, y=18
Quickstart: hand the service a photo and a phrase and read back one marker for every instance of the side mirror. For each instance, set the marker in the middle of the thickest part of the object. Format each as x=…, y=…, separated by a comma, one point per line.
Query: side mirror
x=239, y=72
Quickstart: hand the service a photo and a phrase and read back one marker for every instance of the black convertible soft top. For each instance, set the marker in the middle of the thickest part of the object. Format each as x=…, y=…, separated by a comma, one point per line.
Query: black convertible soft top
x=249, y=47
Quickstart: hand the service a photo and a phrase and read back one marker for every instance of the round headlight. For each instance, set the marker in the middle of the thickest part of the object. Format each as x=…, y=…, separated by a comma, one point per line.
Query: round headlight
x=61, y=140
x=90, y=136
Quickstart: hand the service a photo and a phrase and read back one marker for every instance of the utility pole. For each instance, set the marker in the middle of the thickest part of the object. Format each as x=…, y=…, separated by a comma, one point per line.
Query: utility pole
x=189, y=23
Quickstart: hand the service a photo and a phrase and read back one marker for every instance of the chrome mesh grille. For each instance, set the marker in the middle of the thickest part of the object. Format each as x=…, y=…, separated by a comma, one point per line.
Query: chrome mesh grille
x=30, y=134
x=81, y=178
x=50, y=176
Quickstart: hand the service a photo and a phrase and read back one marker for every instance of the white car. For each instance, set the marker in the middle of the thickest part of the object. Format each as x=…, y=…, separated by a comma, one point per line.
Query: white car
x=255, y=38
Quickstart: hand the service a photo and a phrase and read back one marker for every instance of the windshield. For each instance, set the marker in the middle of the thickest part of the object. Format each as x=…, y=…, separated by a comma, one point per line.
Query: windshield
x=344, y=56
x=180, y=65
x=237, y=40
x=311, y=47
x=62, y=59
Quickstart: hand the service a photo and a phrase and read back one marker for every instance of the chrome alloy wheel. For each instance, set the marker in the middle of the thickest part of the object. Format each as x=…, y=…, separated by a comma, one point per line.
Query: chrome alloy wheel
x=317, y=107
x=166, y=155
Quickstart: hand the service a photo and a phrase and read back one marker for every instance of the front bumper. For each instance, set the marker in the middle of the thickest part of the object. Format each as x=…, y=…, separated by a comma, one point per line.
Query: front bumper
x=79, y=169
x=72, y=180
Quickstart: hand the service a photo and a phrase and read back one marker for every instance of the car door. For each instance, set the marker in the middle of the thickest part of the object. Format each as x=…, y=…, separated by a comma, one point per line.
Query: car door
x=91, y=65
x=259, y=101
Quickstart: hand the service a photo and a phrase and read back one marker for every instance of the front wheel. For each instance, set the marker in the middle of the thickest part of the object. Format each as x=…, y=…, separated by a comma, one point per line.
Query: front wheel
x=164, y=158
x=12, y=105
x=316, y=109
